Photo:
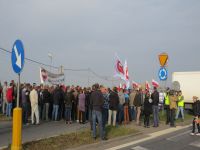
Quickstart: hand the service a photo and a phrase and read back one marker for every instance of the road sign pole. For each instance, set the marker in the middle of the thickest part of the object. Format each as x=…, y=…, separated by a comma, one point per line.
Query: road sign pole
x=17, y=123
x=18, y=89
x=17, y=58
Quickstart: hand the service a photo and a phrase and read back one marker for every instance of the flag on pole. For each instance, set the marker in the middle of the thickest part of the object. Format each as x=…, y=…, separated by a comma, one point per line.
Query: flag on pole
x=124, y=86
x=126, y=75
x=155, y=83
x=127, y=84
x=147, y=86
x=119, y=69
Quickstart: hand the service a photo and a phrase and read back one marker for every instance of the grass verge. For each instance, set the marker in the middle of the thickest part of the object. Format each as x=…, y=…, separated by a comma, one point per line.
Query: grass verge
x=187, y=117
x=75, y=139
x=5, y=118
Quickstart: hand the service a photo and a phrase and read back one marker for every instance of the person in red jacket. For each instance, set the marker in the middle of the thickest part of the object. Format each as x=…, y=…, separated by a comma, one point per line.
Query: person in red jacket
x=9, y=96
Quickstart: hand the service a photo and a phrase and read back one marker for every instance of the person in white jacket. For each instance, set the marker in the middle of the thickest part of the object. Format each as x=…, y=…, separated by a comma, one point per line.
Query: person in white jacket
x=5, y=103
x=34, y=106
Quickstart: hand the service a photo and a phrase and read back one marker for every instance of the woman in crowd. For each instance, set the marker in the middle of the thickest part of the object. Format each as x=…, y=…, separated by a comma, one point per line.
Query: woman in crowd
x=147, y=109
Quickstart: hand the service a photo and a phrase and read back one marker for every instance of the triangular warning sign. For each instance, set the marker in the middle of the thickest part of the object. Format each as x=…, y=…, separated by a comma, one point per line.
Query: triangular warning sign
x=163, y=59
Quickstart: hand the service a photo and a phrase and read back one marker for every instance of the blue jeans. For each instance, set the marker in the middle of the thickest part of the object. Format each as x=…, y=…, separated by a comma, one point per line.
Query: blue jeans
x=180, y=110
x=155, y=116
x=68, y=113
x=97, y=115
x=132, y=113
x=55, y=112
x=9, y=109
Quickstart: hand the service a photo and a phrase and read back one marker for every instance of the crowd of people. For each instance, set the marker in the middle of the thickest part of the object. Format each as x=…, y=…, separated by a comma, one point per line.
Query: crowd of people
x=97, y=105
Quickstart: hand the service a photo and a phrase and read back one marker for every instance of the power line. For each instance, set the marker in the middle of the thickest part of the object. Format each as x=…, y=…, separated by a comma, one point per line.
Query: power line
x=65, y=69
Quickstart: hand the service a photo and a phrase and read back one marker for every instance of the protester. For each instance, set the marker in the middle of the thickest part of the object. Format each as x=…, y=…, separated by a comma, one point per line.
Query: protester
x=25, y=103
x=75, y=105
x=97, y=101
x=81, y=106
x=121, y=106
x=155, y=102
x=68, y=97
x=105, y=108
x=147, y=109
x=173, y=106
x=57, y=98
x=196, y=120
x=113, y=107
x=180, y=106
x=46, y=97
x=4, y=99
x=14, y=96
x=34, y=106
x=167, y=102
x=40, y=100
x=126, y=104
x=131, y=105
x=9, y=96
x=138, y=102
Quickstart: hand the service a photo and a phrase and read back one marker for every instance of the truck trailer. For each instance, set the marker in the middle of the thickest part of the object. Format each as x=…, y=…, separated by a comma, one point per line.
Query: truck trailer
x=189, y=85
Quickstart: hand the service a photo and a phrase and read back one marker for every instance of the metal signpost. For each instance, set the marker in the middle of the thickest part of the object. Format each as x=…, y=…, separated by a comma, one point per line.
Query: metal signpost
x=163, y=73
x=17, y=59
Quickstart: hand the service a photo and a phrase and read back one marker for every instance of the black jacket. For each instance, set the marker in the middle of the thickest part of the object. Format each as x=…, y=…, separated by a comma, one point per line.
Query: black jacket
x=58, y=97
x=155, y=98
x=196, y=108
x=147, y=106
x=68, y=98
x=138, y=101
x=46, y=96
x=96, y=100
x=113, y=101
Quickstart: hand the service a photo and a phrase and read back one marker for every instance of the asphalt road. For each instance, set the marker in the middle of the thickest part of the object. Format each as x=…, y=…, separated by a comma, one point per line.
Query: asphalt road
x=179, y=140
x=36, y=132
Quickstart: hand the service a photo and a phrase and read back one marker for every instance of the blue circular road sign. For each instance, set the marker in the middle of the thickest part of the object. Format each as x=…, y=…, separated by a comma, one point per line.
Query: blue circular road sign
x=163, y=74
x=17, y=56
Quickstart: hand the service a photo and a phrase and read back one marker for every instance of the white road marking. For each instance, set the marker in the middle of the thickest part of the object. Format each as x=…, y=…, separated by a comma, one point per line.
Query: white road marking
x=139, y=148
x=150, y=136
x=196, y=144
x=174, y=138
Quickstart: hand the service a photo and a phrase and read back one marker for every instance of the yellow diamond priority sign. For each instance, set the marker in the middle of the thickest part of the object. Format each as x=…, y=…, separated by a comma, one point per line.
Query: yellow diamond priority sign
x=163, y=57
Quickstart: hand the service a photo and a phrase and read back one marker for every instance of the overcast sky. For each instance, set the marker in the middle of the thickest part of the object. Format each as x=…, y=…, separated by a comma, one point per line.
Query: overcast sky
x=88, y=33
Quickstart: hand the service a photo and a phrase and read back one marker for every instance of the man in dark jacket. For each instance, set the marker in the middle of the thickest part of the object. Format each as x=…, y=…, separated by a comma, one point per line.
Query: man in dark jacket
x=25, y=104
x=196, y=111
x=155, y=102
x=97, y=101
x=68, y=97
x=46, y=97
x=58, y=97
x=113, y=106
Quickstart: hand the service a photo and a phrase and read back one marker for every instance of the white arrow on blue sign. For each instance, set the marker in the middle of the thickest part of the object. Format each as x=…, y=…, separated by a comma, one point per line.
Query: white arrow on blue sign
x=163, y=74
x=17, y=56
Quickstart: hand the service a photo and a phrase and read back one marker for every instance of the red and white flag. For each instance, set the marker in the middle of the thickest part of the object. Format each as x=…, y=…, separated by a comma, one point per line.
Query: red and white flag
x=119, y=69
x=155, y=83
x=126, y=75
x=147, y=86
x=135, y=84
x=124, y=86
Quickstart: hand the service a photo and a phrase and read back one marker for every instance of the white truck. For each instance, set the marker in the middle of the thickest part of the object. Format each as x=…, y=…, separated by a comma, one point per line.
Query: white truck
x=189, y=85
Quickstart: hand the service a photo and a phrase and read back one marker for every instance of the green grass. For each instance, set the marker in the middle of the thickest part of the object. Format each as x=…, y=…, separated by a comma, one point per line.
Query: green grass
x=75, y=139
x=4, y=118
x=187, y=116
